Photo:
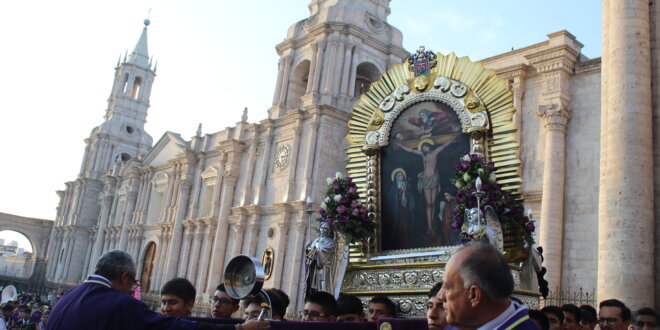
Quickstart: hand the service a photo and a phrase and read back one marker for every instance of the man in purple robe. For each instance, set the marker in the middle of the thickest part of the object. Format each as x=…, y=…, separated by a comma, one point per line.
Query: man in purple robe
x=103, y=301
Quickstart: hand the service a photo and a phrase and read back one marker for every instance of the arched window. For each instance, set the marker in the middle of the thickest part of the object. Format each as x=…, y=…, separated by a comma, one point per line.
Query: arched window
x=124, y=87
x=137, y=84
x=365, y=75
x=298, y=84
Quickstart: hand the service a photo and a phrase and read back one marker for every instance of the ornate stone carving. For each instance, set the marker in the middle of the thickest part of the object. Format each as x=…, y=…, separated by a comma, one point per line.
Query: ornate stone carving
x=556, y=116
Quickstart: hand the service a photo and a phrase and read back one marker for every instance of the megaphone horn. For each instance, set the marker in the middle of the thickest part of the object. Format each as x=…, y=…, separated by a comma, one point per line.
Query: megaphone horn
x=243, y=277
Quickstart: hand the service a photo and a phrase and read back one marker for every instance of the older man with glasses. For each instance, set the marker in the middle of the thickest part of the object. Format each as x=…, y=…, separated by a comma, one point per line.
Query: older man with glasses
x=103, y=302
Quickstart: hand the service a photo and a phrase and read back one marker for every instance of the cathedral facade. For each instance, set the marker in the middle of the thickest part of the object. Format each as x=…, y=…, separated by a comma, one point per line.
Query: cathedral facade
x=185, y=207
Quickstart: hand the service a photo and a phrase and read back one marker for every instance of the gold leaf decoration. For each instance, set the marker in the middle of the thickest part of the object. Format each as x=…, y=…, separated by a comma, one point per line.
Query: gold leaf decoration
x=491, y=90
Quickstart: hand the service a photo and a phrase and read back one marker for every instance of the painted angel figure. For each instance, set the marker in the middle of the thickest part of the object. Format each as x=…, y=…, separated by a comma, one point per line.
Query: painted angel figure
x=427, y=120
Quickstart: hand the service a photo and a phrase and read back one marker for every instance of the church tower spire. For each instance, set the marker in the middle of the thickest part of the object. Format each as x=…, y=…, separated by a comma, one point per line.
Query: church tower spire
x=121, y=136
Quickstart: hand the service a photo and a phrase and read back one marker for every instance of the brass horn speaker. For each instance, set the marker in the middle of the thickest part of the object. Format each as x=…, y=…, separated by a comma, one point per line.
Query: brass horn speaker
x=244, y=276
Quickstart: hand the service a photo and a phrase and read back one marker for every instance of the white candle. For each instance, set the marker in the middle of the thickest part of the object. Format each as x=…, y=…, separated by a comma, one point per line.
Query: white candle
x=309, y=202
x=477, y=184
x=529, y=214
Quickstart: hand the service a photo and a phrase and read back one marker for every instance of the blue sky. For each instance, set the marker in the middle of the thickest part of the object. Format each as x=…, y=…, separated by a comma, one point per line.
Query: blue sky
x=214, y=59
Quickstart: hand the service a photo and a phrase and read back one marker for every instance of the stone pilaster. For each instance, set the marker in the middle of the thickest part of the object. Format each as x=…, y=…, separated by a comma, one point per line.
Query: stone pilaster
x=626, y=218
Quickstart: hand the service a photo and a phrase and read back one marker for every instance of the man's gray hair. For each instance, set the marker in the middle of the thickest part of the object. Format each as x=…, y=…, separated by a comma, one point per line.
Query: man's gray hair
x=486, y=268
x=113, y=263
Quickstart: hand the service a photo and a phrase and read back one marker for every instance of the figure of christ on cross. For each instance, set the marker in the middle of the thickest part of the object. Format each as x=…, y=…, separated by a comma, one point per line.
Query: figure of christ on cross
x=428, y=179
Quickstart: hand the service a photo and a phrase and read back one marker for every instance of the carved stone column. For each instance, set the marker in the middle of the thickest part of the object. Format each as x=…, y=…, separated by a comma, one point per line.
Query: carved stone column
x=348, y=56
x=297, y=236
x=220, y=243
x=205, y=256
x=177, y=231
x=552, y=204
x=312, y=69
x=318, y=66
x=188, y=232
x=252, y=235
x=626, y=201
x=278, y=85
x=282, y=239
x=285, y=79
x=131, y=198
x=194, y=251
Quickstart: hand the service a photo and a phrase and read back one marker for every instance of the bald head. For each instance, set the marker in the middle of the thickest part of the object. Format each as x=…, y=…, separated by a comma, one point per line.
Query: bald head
x=482, y=265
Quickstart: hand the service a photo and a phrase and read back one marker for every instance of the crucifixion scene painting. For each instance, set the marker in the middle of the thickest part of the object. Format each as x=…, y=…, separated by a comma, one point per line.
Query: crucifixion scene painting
x=418, y=198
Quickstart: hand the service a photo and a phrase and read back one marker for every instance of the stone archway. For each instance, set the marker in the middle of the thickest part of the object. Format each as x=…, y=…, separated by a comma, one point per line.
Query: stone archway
x=38, y=233
x=148, y=266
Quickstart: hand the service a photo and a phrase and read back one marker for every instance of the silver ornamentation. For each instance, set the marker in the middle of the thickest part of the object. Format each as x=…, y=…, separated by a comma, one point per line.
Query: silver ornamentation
x=459, y=90
x=372, y=137
x=387, y=104
x=400, y=91
x=443, y=83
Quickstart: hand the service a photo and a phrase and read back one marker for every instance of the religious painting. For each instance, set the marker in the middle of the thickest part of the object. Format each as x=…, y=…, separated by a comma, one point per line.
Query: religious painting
x=417, y=197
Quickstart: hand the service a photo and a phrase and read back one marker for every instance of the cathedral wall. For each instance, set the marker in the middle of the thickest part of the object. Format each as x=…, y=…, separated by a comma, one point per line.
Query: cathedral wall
x=90, y=207
x=580, y=241
x=330, y=154
x=533, y=136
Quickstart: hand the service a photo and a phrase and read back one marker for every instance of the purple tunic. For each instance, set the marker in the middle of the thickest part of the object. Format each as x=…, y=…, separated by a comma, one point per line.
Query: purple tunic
x=96, y=305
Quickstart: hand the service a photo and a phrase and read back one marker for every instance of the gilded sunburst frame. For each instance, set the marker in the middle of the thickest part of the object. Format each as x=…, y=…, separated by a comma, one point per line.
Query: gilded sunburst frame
x=481, y=100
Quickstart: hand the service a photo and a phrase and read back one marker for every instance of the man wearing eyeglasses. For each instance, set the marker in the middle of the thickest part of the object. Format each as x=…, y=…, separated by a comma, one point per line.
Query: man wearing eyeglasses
x=320, y=306
x=613, y=315
x=222, y=305
x=103, y=302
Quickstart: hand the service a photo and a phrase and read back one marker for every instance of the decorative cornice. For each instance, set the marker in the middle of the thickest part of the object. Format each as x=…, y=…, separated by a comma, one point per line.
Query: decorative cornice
x=510, y=72
x=588, y=66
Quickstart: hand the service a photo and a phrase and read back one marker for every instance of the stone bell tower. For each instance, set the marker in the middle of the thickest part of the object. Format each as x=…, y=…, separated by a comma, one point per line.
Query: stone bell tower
x=120, y=138
x=332, y=57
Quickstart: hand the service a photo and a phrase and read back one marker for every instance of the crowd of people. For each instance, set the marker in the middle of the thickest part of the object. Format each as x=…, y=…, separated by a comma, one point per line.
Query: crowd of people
x=476, y=293
x=24, y=314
